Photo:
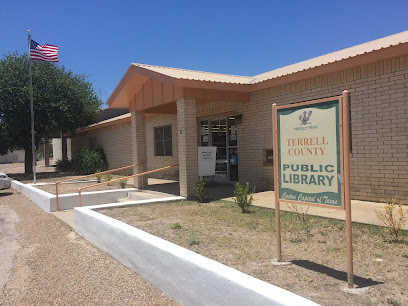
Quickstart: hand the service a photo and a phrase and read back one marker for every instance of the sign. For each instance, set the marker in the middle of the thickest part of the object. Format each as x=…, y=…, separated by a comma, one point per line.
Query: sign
x=206, y=161
x=309, y=153
x=311, y=160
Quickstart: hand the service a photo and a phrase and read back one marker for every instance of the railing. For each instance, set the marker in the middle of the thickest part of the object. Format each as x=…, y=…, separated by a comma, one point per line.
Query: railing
x=89, y=175
x=123, y=178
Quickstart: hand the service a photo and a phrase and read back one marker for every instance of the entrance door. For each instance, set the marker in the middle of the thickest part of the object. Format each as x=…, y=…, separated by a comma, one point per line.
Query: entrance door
x=221, y=132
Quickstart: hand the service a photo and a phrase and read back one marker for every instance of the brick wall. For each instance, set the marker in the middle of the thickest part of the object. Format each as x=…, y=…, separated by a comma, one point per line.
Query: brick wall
x=379, y=117
x=115, y=141
x=155, y=162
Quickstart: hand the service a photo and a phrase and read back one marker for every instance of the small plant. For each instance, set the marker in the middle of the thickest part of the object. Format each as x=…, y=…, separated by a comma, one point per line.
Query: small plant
x=392, y=221
x=193, y=239
x=301, y=213
x=175, y=226
x=243, y=197
x=391, y=301
x=122, y=183
x=108, y=177
x=63, y=165
x=200, y=191
x=99, y=177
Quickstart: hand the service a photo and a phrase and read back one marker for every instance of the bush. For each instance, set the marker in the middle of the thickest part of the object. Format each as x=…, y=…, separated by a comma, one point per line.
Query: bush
x=243, y=197
x=122, y=183
x=63, y=165
x=200, y=191
x=108, y=177
x=90, y=161
x=99, y=176
x=392, y=222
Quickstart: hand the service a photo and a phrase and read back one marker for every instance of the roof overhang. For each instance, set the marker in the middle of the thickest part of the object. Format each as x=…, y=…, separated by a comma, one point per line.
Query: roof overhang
x=136, y=76
x=140, y=83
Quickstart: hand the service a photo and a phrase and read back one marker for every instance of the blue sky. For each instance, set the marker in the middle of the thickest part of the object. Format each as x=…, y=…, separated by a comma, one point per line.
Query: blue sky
x=101, y=38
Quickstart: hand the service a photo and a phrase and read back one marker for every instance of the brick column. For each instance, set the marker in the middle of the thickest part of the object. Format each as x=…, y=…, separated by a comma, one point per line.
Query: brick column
x=187, y=142
x=139, y=155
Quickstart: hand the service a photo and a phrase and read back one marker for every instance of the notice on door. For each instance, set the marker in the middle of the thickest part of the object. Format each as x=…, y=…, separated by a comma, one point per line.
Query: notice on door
x=206, y=161
x=309, y=153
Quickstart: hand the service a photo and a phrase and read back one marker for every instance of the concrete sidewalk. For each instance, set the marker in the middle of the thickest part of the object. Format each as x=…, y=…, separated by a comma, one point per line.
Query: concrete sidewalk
x=361, y=211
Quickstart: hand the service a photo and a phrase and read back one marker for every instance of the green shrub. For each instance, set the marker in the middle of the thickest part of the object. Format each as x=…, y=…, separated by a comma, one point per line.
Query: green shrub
x=200, y=191
x=175, y=226
x=99, y=176
x=243, y=197
x=63, y=165
x=122, y=183
x=90, y=161
x=108, y=176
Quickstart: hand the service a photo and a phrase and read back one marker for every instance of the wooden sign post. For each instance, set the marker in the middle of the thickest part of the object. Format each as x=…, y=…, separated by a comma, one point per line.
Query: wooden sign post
x=311, y=145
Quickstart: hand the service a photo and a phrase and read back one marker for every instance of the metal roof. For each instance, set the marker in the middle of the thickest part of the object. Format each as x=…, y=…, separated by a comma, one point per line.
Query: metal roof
x=114, y=120
x=185, y=74
x=368, y=47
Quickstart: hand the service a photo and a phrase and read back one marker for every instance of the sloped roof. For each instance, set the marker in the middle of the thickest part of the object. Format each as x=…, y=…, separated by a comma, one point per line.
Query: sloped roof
x=386, y=47
x=185, y=74
x=368, y=47
x=110, y=121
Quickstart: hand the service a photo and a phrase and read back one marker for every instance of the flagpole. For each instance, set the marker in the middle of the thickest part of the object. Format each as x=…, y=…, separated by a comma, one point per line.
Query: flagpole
x=31, y=107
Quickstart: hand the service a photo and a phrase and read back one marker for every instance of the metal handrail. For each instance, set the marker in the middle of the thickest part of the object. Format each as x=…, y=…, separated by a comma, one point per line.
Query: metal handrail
x=122, y=178
x=97, y=173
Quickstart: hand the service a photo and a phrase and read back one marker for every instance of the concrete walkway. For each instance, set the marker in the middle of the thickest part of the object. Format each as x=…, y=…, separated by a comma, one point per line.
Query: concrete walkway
x=362, y=211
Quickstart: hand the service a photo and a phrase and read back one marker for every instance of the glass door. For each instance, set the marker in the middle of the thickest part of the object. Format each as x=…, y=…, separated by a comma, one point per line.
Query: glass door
x=222, y=133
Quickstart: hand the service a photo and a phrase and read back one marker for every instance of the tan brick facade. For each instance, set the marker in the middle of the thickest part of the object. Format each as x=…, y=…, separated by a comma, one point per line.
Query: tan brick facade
x=187, y=143
x=379, y=123
x=155, y=162
x=139, y=147
x=115, y=141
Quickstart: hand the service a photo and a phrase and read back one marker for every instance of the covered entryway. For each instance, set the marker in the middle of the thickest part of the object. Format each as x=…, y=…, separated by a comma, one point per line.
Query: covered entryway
x=221, y=132
x=175, y=95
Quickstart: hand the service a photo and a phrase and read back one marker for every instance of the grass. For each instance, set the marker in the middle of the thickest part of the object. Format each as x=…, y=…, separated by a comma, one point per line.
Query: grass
x=316, y=246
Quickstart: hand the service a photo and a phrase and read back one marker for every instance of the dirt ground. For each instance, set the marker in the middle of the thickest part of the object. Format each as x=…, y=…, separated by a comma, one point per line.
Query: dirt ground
x=72, y=187
x=43, y=262
x=316, y=249
x=48, y=175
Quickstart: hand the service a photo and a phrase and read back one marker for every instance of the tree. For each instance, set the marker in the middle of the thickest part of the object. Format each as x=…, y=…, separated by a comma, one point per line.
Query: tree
x=63, y=101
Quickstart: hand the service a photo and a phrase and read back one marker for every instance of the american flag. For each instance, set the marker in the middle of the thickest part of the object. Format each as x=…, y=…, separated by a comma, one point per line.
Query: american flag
x=45, y=53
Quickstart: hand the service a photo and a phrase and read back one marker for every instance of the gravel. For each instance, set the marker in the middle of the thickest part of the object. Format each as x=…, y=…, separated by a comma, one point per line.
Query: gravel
x=55, y=266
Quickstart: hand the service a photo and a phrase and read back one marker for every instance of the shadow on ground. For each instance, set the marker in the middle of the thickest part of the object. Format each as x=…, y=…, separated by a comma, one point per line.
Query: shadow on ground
x=4, y=194
x=361, y=282
x=27, y=178
x=216, y=191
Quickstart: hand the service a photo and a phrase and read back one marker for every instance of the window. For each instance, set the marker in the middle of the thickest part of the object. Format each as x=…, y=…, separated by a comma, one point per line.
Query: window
x=162, y=141
x=92, y=143
x=268, y=157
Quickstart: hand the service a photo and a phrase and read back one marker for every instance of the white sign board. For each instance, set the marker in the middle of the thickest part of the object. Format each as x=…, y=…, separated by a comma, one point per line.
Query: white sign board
x=206, y=161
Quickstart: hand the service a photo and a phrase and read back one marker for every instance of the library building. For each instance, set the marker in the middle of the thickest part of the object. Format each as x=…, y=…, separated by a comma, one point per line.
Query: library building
x=171, y=113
